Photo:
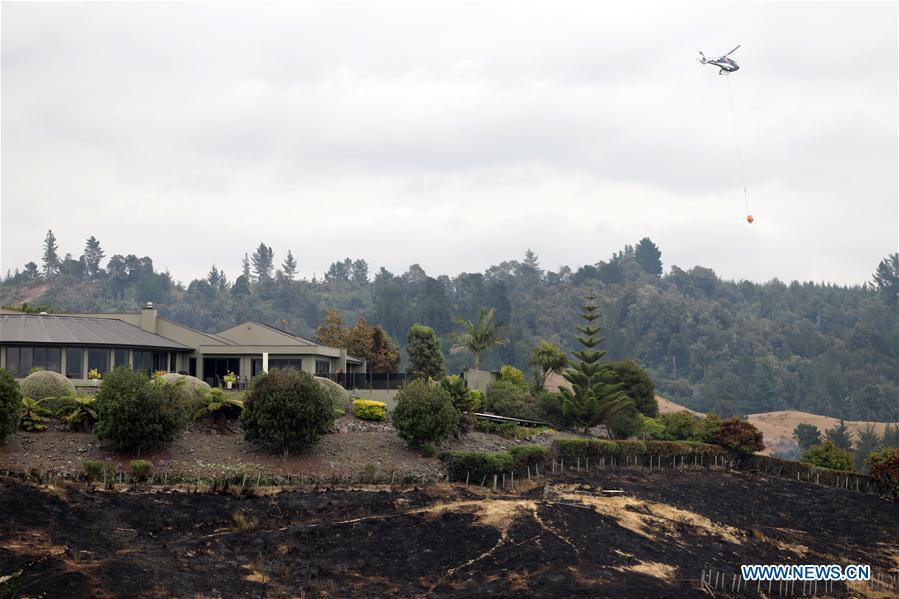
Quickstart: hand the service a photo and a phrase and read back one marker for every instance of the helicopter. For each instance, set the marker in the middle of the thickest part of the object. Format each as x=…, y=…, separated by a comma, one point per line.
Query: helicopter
x=727, y=65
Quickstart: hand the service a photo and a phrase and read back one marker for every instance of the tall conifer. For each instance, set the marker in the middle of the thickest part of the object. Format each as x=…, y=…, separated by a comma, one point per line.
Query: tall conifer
x=594, y=396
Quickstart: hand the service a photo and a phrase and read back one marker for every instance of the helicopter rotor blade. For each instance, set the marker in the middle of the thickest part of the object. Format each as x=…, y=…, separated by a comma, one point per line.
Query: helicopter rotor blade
x=732, y=51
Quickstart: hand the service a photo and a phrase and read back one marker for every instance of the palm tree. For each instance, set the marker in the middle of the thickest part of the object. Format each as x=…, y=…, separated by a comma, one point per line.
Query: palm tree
x=479, y=336
x=548, y=358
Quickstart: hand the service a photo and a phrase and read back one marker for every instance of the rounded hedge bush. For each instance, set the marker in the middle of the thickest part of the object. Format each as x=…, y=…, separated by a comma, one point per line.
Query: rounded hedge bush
x=46, y=383
x=137, y=414
x=340, y=399
x=286, y=410
x=10, y=404
x=424, y=414
x=191, y=390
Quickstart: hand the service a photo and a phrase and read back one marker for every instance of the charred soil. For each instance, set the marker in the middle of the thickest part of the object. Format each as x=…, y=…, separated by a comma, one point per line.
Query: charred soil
x=439, y=541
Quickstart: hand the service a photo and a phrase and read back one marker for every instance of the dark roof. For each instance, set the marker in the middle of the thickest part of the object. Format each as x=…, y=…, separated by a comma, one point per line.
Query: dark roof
x=79, y=330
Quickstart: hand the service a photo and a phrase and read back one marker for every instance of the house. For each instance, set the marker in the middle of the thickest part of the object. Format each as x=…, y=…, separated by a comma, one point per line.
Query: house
x=73, y=344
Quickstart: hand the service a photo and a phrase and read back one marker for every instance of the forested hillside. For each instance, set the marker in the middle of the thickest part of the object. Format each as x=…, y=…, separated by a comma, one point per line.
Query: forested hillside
x=731, y=347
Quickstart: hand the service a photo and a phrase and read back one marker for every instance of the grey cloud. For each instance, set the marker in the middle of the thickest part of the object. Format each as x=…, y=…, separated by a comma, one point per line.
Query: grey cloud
x=398, y=115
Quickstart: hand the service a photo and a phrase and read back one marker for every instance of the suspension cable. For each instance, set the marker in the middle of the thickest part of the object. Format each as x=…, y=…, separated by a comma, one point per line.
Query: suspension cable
x=733, y=116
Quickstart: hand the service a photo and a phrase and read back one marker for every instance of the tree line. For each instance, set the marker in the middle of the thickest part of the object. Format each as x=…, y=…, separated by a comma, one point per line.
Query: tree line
x=732, y=347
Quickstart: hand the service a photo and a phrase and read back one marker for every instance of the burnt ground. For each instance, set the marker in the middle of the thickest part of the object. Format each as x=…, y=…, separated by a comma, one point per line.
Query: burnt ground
x=439, y=541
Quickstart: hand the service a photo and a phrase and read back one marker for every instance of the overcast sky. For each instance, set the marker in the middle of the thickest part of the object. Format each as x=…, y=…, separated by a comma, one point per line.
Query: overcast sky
x=453, y=135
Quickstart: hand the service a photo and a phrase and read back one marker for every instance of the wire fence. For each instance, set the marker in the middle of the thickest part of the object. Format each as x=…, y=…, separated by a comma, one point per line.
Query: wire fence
x=355, y=381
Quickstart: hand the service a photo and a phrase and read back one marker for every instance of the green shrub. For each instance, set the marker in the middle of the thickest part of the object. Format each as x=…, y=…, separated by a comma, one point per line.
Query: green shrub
x=424, y=414
x=510, y=374
x=704, y=449
x=828, y=455
x=709, y=427
x=370, y=473
x=33, y=417
x=477, y=465
x=140, y=469
x=679, y=426
x=651, y=428
x=79, y=413
x=45, y=383
x=477, y=400
x=549, y=407
x=739, y=436
x=10, y=404
x=340, y=398
x=136, y=414
x=525, y=456
x=636, y=384
x=631, y=447
x=93, y=469
x=481, y=465
x=513, y=401
x=624, y=423
x=510, y=430
x=367, y=409
x=573, y=448
x=666, y=449
x=884, y=467
x=286, y=410
x=507, y=430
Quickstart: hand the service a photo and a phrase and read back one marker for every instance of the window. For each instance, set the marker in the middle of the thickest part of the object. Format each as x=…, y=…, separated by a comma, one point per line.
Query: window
x=98, y=359
x=143, y=360
x=215, y=369
x=322, y=367
x=47, y=358
x=192, y=367
x=74, y=362
x=285, y=363
x=172, y=362
x=160, y=361
x=19, y=361
x=54, y=359
x=255, y=367
x=120, y=357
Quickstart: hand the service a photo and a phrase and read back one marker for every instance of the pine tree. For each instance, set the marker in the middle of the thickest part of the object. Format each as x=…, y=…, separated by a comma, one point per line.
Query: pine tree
x=594, y=397
x=289, y=266
x=245, y=267
x=649, y=257
x=51, y=258
x=886, y=279
x=263, y=262
x=93, y=255
x=529, y=270
x=359, y=271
